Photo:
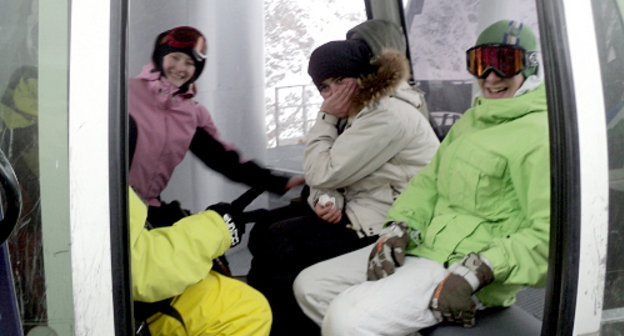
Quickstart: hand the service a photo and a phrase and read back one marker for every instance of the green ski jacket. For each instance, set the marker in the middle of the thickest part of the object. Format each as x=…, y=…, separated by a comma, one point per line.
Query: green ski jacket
x=487, y=190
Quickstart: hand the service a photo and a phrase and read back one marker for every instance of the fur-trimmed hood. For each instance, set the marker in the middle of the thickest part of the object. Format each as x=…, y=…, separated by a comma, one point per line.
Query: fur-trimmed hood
x=391, y=68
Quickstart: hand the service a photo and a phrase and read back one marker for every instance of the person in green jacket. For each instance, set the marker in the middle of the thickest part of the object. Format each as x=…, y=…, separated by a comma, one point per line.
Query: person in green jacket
x=471, y=228
x=171, y=268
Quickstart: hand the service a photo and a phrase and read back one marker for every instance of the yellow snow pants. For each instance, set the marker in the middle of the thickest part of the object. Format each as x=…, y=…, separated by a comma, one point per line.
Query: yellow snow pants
x=217, y=305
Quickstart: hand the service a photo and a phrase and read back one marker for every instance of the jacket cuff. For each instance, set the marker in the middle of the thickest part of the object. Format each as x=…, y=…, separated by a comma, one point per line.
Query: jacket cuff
x=497, y=260
x=327, y=118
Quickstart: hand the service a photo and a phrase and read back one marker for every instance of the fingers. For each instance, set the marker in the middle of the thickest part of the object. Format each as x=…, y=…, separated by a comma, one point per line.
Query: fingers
x=340, y=100
x=454, y=309
x=463, y=317
x=468, y=318
x=332, y=216
x=387, y=262
x=344, y=97
x=337, y=217
x=328, y=212
x=398, y=256
x=380, y=263
x=377, y=270
x=346, y=91
x=294, y=182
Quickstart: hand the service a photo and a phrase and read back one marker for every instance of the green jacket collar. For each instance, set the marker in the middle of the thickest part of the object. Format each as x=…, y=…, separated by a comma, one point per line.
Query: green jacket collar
x=496, y=111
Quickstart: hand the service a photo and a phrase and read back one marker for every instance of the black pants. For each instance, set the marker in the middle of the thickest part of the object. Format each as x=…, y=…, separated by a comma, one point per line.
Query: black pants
x=281, y=249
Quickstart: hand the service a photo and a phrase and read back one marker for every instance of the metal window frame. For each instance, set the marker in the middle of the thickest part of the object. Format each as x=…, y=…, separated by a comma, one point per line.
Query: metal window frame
x=118, y=170
x=579, y=174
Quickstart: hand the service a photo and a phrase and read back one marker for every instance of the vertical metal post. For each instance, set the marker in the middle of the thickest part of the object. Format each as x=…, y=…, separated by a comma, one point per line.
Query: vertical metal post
x=276, y=117
x=304, y=109
x=118, y=168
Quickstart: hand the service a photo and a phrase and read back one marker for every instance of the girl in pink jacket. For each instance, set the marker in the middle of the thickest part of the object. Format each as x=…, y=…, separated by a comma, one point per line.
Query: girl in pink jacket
x=165, y=122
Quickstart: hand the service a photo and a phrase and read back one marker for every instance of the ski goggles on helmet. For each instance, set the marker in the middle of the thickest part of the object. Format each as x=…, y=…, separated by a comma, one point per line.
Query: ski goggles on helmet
x=505, y=60
x=187, y=37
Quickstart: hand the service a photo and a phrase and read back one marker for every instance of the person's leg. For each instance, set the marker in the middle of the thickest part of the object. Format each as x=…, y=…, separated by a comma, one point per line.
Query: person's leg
x=317, y=286
x=395, y=305
x=289, y=247
x=257, y=234
x=217, y=305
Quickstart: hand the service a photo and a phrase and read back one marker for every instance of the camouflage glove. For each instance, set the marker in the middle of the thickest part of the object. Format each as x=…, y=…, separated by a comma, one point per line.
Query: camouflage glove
x=389, y=251
x=452, y=299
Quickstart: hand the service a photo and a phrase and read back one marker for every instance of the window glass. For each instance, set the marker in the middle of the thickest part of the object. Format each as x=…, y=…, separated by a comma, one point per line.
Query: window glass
x=293, y=29
x=33, y=136
x=610, y=33
x=439, y=33
x=19, y=142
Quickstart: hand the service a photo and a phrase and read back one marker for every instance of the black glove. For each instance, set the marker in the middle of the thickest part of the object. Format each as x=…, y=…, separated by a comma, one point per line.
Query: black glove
x=389, y=251
x=233, y=214
x=166, y=214
x=452, y=299
x=231, y=217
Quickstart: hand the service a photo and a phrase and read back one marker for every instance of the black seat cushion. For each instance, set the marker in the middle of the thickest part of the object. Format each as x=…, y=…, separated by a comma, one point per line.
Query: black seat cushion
x=512, y=321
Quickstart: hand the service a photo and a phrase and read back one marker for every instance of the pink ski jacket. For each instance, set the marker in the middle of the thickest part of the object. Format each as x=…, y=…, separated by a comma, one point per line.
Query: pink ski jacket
x=168, y=126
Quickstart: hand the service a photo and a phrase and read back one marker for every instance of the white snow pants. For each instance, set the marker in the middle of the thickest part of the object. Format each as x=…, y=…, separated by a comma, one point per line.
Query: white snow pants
x=335, y=294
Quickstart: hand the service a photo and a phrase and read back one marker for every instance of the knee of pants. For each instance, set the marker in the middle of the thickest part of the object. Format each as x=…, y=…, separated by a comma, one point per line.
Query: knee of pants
x=256, y=312
x=303, y=285
x=341, y=319
x=218, y=305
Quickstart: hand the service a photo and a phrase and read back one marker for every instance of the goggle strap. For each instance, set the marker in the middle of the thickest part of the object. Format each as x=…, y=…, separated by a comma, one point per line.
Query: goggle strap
x=198, y=55
x=531, y=58
x=487, y=70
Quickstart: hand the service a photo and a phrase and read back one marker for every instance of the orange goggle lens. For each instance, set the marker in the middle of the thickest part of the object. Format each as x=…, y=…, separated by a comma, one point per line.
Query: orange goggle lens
x=506, y=61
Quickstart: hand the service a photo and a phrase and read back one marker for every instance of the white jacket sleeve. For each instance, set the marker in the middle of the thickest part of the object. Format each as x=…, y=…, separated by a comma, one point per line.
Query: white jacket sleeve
x=331, y=161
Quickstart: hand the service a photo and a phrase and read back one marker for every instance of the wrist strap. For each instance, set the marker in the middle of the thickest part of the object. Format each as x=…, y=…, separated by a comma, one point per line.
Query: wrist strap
x=467, y=274
x=476, y=269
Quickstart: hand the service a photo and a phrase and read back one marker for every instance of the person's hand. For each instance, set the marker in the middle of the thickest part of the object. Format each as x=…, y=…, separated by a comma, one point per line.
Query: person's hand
x=294, y=181
x=452, y=300
x=328, y=212
x=338, y=103
x=231, y=218
x=389, y=251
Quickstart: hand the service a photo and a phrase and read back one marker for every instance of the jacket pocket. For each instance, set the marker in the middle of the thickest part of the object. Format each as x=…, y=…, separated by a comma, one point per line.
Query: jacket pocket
x=447, y=232
x=477, y=182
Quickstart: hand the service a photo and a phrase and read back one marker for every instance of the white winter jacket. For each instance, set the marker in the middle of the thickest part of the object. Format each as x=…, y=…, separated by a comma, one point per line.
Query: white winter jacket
x=369, y=163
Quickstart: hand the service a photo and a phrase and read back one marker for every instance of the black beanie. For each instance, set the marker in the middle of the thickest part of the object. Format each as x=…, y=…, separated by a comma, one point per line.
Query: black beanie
x=340, y=59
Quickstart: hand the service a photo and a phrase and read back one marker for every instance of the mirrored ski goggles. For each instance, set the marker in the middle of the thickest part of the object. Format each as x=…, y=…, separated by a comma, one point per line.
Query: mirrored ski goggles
x=506, y=61
x=187, y=37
